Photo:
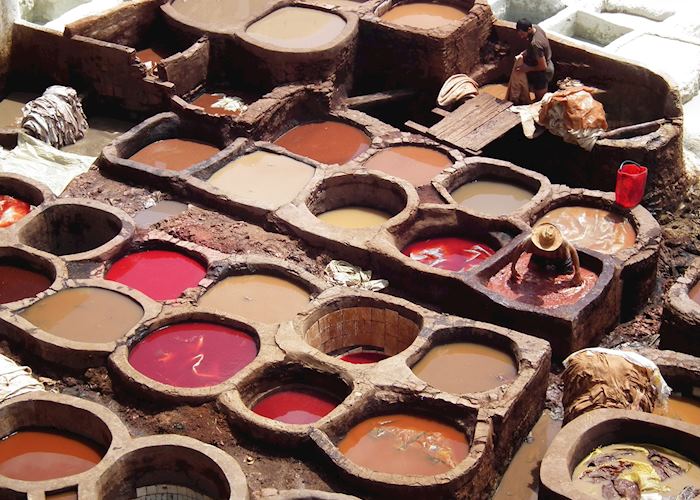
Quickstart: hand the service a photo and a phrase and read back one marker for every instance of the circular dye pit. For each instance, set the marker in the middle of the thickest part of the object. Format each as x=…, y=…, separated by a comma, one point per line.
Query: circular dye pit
x=193, y=354
x=354, y=217
x=296, y=404
x=694, y=293
x=593, y=228
x=463, y=367
x=218, y=15
x=158, y=212
x=298, y=28
x=12, y=210
x=417, y=165
x=160, y=274
x=405, y=444
x=681, y=408
x=363, y=357
x=636, y=467
x=423, y=15
x=257, y=297
x=263, y=177
x=491, y=197
x=85, y=314
x=18, y=281
x=538, y=287
x=452, y=254
x=43, y=454
x=175, y=154
x=326, y=142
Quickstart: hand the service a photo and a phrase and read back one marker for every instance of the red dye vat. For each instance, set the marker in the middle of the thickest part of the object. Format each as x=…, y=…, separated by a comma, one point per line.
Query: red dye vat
x=364, y=357
x=296, y=405
x=193, y=354
x=452, y=254
x=160, y=274
x=12, y=210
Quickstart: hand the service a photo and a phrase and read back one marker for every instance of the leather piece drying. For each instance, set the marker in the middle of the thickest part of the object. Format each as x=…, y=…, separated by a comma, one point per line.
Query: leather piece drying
x=56, y=117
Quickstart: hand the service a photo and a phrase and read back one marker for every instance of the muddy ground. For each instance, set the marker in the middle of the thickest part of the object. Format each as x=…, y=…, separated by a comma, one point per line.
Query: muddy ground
x=266, y=468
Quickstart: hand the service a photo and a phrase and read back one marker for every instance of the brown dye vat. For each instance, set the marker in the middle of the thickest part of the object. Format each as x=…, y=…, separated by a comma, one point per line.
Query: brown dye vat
x=539, y=287
x=11, y=108
x=18, y=281
x=694, y=293
x=42, y=454
x=593, y=228
x=218, y=15
x=297, y=28
x=405, y=444
x=206, y=102
x=257, y=297
x=158, y=212
x=491, y=197
x=498, y=90
x=686, y=473
x=154, y=54
x=417, y=165
x=101, y=131
x=175, y=154
x=66, y=495
x=85, y=314
x=354, y=217
x=263, y=176
x=680, y=408
x=521, y=479
x=423, y=15
x=326, y=142
x=463, y=367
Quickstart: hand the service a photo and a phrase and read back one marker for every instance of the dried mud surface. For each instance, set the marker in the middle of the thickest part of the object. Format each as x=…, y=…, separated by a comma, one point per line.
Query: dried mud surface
x=268, y=468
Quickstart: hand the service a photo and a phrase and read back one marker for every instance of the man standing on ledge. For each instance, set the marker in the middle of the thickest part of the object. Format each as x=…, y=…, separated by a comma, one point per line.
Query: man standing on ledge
x=537, y=58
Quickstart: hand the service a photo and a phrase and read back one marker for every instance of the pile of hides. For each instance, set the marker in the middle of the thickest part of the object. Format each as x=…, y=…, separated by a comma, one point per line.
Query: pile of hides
x=56, y=118
x=574, y=115
x=16, y=380
x=604, y=378
x=456, y=89
x=343, y=273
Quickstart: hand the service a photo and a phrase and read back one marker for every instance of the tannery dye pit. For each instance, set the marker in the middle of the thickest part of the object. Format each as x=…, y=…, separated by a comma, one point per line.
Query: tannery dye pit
x=261, y=250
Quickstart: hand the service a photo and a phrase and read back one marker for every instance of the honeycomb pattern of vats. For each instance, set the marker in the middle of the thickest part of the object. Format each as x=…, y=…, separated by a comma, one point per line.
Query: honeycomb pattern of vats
x=128, y=464
x=680, y=320
x=602, y=427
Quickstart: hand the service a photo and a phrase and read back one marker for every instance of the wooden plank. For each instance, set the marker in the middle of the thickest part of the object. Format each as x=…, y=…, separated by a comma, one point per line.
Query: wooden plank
x=441, y=112
x=491, y=130
x=468, y=108
x=416, y=126
x=467, y=129
x=378, y=97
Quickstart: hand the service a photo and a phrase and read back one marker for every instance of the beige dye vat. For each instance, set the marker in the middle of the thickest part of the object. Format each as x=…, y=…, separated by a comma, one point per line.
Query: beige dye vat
x=354, y=217
x=257, y=297
x=593, y=228
x=85, y=314
x=218, y=15
x=637, y=463
x=424, y=15
x=265, y=177
x=297, y=28
x=463, y=367
x=492, y=197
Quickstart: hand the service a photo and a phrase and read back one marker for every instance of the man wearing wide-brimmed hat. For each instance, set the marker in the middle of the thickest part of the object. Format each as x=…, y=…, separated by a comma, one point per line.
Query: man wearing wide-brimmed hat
x=550, y=251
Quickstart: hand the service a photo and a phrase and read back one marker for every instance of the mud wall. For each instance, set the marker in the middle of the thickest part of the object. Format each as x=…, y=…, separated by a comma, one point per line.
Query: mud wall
x=9, y=10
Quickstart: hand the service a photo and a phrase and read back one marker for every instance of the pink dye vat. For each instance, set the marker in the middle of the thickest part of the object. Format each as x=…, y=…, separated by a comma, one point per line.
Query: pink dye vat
x=296, y=405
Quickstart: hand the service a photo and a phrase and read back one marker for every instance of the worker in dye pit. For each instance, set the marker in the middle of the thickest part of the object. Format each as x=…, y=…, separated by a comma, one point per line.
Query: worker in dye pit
x=550, y=252
x=536, y=60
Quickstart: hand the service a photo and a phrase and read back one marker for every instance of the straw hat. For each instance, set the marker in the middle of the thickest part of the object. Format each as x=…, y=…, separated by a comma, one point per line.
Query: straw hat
x=547, y=237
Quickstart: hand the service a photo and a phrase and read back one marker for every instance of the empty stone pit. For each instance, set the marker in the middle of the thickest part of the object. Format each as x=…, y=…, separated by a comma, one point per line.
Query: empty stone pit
x=76, y=229
x=586, y=27
x=536, y=11
x=681, y=313
x=493, y=188
x=24, y=274
x=54, y=441
x=361, y=330
x=280, y=402
x=562, y=466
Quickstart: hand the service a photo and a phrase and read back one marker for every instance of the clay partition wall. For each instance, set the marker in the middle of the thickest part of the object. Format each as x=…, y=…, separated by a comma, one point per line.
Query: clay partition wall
x=680, y=321
x=494, y=421
x=137, y=25
x=601, y=427
x=637, y=265
x=681, y=371
x=127, y=463
x=391, y=55
x=633, y=95
x=109, y=70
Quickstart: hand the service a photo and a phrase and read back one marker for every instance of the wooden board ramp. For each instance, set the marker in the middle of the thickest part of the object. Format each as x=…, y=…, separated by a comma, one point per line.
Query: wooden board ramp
x=473, y=125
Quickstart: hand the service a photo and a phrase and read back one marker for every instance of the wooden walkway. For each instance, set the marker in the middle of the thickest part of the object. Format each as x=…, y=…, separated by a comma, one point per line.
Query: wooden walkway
x=473, y=125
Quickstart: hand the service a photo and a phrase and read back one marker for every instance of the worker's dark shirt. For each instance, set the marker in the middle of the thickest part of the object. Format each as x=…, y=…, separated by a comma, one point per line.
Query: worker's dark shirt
x=538, y=47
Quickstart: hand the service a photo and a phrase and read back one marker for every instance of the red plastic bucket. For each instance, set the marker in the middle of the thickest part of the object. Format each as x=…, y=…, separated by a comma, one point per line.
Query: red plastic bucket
x=631, y=181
